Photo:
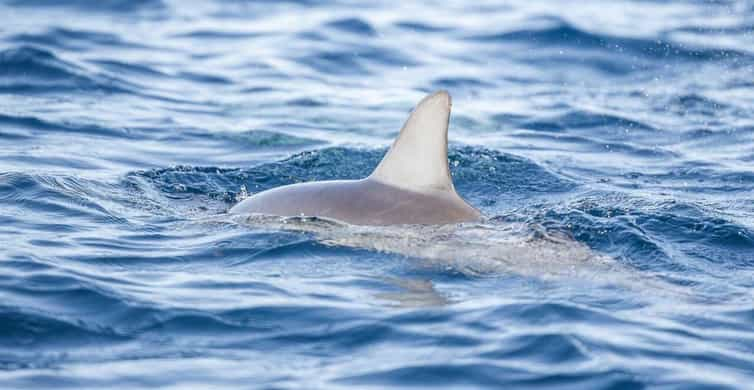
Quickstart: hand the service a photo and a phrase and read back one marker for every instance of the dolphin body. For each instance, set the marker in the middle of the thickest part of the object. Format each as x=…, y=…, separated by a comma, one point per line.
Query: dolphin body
x=411, y=185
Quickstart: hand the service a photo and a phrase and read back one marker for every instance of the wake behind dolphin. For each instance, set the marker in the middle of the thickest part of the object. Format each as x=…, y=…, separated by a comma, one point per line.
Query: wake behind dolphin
x=411, y=185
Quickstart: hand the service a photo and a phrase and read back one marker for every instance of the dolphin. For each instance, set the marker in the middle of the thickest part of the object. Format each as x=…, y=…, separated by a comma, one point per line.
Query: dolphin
x=411, y=185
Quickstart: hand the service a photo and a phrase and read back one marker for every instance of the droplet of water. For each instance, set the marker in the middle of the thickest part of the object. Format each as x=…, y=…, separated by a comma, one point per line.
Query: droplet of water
x=242, y=194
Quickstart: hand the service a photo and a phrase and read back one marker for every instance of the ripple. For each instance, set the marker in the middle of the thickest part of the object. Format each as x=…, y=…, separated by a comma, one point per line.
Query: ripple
x=494, y=177
x=359, y=60
x=485, y=176
x=27, y=69
x=566, y=35
x=611, y=156
x=353, y=25
x=34, y=125
x=421, y=27
x=459, y=83
x=66, y=198
x=26, y=330
x=549, y=349
x=75, y=40
x=589, y=120
x=487, y=375
x=101, y=6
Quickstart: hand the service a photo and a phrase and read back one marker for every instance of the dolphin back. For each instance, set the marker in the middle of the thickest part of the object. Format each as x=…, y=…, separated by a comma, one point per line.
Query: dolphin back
x=411, y=185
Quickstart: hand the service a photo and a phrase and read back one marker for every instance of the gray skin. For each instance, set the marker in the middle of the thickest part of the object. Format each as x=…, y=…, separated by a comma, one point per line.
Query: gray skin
x=360, y=202
x=411, y=185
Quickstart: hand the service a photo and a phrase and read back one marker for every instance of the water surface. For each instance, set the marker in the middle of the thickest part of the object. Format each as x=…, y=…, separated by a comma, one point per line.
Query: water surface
x=610, y=145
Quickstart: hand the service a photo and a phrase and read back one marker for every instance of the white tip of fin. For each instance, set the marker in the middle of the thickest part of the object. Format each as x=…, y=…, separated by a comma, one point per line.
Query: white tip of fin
x=418, y=158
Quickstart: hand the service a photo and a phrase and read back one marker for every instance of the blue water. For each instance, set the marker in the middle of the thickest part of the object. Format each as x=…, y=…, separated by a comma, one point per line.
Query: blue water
x=128, y=128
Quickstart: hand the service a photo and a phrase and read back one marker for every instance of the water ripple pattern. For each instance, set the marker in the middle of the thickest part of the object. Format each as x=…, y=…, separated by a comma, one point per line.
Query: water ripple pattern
x=609, y=144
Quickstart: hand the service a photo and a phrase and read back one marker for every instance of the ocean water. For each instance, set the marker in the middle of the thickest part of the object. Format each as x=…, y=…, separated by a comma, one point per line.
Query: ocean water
x=610, y=146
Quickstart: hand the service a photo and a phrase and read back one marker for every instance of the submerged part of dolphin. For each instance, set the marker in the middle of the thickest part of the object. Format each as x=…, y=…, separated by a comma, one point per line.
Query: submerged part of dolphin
x=411, y=185
x=480, y=249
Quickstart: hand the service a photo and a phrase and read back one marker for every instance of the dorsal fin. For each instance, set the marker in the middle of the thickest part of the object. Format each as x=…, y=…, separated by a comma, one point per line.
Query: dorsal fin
x=419, y=156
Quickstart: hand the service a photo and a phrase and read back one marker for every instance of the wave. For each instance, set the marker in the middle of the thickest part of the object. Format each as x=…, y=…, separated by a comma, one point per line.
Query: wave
x=116, y=6
x=357, y=60
x=74, y=40
x=566, y=35
x=27, y=69
x=610, y=163
x=484, y=176
x=353, y=25
x=27, y=127
x=648, y=235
